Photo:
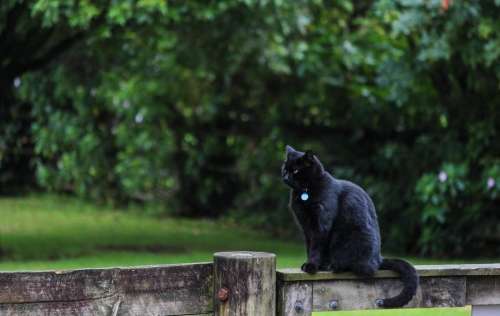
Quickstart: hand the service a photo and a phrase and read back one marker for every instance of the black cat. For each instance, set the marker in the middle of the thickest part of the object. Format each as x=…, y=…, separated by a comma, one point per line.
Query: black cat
x=340, y=225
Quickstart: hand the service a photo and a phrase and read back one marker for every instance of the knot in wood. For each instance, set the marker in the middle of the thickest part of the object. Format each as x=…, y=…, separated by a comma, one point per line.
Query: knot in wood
x=223, y=294
x=299, y=307
x=333, y=304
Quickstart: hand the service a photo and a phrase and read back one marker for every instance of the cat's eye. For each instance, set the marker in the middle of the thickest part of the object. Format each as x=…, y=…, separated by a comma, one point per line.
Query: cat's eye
x=295, y=171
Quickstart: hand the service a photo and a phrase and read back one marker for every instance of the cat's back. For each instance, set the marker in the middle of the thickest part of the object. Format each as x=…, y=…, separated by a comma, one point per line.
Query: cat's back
x=354, y=199
x=349, y=187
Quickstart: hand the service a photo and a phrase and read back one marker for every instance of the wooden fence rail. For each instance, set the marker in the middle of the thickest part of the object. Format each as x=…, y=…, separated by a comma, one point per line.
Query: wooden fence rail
x=157, y=290
x=237, y=283
x=440, y=286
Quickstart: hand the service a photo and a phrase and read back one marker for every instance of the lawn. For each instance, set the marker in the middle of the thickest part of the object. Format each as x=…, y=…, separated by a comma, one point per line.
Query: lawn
x=53, y=232
x=459, y=311
x=50, y=232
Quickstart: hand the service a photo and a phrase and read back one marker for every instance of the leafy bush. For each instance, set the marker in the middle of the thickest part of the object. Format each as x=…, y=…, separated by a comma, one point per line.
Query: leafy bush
x=189, y=106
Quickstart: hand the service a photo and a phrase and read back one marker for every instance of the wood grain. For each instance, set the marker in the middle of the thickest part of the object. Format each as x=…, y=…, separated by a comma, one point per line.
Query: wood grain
x=423, y=270
x=250, y=280
x=154, y=290
x=361, y=294
x=294, y=299
x=440, y=286
x=483, y=290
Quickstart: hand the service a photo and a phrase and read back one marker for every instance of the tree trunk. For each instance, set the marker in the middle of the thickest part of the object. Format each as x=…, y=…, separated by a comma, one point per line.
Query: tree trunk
x=16, y=143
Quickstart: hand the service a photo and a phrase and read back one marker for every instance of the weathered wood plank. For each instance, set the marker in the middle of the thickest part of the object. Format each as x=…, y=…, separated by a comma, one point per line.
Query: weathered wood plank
x=25, y=287
x=101, y=307
x=97, y=307
x=175, y=302
x=153, y=290
x=250, y=278
x=244, y=284
x=167, y=277
x=491, y=310
x=483, y=290
x=294, y=299
x=362, y=293
x=423, y=270
x=167, y=290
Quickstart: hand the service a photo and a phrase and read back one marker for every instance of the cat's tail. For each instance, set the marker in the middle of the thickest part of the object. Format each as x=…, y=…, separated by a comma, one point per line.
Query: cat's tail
x=410, y=280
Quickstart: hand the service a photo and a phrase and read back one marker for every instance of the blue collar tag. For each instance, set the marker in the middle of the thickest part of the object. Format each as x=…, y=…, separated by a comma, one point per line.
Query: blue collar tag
x=304, y=196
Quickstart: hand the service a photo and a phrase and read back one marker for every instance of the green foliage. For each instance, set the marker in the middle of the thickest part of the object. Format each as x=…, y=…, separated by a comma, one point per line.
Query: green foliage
x=189, y=104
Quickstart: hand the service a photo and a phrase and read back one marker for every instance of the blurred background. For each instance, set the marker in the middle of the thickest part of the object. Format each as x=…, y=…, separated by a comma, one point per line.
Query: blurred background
x=152, y=131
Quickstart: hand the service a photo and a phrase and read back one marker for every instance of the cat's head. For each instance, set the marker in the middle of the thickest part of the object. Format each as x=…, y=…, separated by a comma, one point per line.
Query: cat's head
x=300, y=169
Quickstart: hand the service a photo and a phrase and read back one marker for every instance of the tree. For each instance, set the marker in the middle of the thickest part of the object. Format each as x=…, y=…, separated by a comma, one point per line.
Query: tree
x=189, y=106
x=32, y=35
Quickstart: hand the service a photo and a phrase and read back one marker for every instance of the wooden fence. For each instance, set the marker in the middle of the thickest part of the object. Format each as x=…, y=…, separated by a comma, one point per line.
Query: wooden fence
x=237, y=283
x=440, y=286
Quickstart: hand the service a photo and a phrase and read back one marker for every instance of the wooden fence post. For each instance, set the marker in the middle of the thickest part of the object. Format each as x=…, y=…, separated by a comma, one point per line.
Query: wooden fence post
x=244, y=284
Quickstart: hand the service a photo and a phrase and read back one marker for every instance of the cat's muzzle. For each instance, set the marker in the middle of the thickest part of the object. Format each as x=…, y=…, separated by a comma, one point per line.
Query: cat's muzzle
x=290, y=183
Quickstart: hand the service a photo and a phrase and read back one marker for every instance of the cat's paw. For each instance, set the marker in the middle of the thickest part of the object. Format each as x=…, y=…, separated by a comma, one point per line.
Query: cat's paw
x=309, y=267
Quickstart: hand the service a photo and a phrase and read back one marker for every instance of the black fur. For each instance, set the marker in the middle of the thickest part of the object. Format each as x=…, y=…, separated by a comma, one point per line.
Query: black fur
x=340, y=225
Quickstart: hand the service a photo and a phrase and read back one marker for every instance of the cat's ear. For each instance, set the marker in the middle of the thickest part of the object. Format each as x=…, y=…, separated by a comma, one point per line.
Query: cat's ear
x=309, y=158
x=309, y=155
x=289, y=150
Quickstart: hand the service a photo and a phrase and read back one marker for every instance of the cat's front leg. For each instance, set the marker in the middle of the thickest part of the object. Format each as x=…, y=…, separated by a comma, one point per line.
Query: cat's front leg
x=309, y=266
x=313, y=263
x=317, y=241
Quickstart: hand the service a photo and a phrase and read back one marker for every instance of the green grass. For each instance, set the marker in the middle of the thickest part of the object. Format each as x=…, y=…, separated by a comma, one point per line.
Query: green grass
x=49, y=232
x=53, y=232
x=459, y=311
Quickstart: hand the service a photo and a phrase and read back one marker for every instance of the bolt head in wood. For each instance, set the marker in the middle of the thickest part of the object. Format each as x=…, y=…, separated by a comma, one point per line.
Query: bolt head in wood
x=299, y=307
x=223, y=294
x=333, y=304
